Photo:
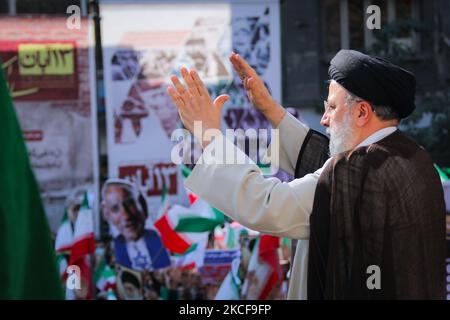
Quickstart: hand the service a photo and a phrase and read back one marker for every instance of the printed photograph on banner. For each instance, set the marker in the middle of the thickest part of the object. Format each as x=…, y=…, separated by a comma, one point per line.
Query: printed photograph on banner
x=136, y=245
x=129, y=283
x=217, y=264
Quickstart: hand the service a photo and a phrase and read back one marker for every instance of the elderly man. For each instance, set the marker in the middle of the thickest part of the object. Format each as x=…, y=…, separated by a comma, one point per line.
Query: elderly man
x=373, y=213
x=135, y=247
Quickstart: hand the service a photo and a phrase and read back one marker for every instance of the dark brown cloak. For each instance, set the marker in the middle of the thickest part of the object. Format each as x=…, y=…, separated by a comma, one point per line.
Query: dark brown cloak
x=379, y=205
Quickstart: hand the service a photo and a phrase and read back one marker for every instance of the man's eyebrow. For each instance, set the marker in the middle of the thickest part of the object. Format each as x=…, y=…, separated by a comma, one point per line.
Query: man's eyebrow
x=331, y=99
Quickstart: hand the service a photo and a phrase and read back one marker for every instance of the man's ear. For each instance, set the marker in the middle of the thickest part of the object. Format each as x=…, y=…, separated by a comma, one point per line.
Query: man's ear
x=364, y=113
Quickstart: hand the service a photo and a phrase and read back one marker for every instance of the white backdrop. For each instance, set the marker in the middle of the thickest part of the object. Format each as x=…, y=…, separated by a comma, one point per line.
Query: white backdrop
x=144, y=42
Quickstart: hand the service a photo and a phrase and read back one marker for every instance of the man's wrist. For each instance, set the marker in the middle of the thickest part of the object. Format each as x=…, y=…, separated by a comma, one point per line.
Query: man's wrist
x=205, y=143
x=274, y=114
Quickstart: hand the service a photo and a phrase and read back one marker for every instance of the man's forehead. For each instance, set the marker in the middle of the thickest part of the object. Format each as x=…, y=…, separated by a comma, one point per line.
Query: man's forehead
x=113, y=197
x=114, y=190
x=114, y=187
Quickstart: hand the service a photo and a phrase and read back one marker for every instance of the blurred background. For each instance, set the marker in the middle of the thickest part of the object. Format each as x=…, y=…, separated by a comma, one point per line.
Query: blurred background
x=88, y=80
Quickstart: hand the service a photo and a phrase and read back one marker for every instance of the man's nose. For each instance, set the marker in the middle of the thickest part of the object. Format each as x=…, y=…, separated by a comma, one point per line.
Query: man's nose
x=124, y=215
x=325, y=121
x=127, y=216
x=130, y=212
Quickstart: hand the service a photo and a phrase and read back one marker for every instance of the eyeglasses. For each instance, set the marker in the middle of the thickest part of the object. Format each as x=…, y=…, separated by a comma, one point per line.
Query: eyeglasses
x=327, y=106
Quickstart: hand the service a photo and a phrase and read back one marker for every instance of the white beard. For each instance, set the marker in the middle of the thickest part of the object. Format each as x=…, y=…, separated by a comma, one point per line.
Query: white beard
x=341, y=135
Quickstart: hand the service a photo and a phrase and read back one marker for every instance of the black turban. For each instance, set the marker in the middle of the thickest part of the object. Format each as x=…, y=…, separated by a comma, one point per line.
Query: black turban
x=375, y=80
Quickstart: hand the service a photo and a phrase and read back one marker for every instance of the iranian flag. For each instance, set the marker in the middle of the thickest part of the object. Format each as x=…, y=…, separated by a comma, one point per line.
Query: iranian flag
x=264, y=269
x=63, y=245
x=186, y=172
x=184, y=230
x=83, y=238
x=111, y=295
x=64, y=235
x=200, y=216
x=105, y=278
x=83, y=246
x=172, y=240
x=233, y=232
x=195, y=255
x=179, y=226
x=230, y=287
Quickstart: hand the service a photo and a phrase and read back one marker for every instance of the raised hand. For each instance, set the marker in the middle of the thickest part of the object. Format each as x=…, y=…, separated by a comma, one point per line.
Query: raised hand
x=195, y=104
x=256, y=90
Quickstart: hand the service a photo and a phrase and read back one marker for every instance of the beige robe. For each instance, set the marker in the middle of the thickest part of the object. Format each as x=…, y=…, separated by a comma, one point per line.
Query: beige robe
x=266, y=204
x=263, y=204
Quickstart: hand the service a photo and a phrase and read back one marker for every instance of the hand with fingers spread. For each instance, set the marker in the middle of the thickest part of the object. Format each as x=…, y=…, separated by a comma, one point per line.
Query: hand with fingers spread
x=195, y=104
x=257, y=91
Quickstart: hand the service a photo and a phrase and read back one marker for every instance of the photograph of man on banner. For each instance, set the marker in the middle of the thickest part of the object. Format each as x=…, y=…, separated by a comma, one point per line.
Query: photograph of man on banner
x=129, y=284
x=125, y=209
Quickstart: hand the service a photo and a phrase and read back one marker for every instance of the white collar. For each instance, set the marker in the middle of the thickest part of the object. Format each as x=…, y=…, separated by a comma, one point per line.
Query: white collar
x=374, y=137
x=377, y=136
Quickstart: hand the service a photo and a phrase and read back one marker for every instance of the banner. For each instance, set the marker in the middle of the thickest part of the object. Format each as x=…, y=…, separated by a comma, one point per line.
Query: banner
x=217, y=264
x=50, y=74
x=144, y=44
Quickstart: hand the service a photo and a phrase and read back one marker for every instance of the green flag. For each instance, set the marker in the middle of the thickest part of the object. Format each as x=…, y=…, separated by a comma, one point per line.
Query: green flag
x=27, y=259
x=442, y=173
x=447, y=171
